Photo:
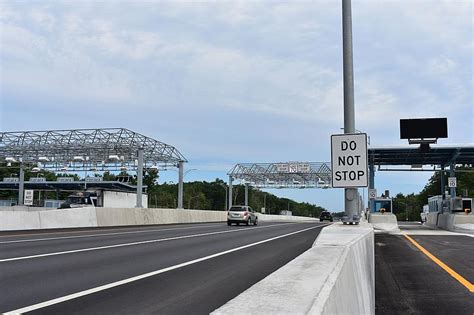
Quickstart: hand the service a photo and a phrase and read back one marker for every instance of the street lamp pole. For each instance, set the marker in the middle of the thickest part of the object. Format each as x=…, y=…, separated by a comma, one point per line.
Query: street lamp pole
x=225, y=200
x=350, y=194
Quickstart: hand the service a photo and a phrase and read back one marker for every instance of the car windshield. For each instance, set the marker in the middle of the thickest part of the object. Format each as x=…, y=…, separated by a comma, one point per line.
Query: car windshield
x=237, y=209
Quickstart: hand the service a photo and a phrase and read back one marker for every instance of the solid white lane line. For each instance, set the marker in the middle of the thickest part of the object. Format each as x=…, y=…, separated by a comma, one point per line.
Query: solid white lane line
x=135, y=243
x=104, y=234
x=146, y=275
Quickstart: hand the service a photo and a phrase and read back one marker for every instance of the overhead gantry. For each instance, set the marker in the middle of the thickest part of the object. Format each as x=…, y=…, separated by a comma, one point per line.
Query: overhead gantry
x=280, y=175
x=109, y=149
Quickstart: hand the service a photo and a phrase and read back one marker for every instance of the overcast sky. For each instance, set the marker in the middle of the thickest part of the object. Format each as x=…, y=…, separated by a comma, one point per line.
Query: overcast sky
x=238, y=81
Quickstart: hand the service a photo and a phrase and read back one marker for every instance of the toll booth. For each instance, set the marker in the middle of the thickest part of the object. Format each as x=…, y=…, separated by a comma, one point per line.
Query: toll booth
x=467, y=205
x=382, y=202
x=448, y=204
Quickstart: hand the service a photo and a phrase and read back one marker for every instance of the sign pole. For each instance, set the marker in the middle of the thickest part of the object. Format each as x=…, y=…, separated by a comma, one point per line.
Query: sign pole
x=350, y=194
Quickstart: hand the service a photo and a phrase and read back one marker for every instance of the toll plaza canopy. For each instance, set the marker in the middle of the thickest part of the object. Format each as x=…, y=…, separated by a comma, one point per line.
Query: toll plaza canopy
x=437, y=155
x=96, y=149
x=107, y=149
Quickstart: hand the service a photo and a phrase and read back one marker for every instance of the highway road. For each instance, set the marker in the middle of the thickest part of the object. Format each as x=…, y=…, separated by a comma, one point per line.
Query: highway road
x=424, y=271
x=171, y=269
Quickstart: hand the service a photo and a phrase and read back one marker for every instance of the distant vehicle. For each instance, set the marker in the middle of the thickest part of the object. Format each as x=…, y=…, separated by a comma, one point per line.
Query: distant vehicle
x=80, y=199
x=325, y=215
x=241, y=214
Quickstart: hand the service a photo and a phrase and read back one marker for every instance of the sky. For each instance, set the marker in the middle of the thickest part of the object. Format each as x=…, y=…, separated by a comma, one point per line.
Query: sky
x=238, y=81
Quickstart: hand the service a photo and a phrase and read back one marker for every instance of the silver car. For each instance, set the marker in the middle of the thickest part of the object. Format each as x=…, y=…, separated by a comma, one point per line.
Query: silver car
x=241, y=214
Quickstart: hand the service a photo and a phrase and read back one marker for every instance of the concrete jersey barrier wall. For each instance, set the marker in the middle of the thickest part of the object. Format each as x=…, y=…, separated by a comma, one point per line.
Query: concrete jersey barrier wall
x=456, y=222
x=19, y=220
x=386, y=222
x=335, y=276
x=144, y=216
x=68, y=218
x=93, y=217
x=286, y=218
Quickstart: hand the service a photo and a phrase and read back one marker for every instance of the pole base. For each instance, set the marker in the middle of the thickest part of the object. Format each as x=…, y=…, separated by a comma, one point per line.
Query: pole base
x=354, y=220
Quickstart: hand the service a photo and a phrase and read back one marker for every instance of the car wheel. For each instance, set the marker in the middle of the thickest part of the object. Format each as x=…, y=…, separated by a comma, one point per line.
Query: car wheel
x=229, y=223
x=255, y=222
x=248, y=222
x=320, y=220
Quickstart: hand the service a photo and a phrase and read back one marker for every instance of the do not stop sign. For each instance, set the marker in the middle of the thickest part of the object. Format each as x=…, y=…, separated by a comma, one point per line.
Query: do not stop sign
x=349, y=160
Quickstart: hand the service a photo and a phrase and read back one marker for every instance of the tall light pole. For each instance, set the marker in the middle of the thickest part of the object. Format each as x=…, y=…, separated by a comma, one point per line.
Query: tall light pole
x=350, y=194
x=265, y=201
x=225, y=200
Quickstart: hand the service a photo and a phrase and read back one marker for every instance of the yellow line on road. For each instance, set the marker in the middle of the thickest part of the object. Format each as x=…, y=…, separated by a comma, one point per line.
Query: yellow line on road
x=446, y=268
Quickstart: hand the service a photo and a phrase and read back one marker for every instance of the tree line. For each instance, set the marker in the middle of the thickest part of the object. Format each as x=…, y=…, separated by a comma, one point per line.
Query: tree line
x=197, y=194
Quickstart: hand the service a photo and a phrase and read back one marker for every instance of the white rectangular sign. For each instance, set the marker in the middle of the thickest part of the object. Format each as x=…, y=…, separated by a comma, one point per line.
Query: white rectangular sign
x=452, y=182
x=11, y=180
x=93, y=179
x=304, y=168
x=349, y=160
x=372, y=193
x=28, y=200
x=37, y=180
x=282, y=168
x=65, y=179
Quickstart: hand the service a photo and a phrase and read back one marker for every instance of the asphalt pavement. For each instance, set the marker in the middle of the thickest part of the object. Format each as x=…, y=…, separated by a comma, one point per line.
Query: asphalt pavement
x=171, y=269
x=408, y=281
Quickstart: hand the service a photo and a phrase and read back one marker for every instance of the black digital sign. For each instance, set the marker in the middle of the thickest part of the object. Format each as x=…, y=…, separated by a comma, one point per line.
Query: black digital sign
x=423, y=128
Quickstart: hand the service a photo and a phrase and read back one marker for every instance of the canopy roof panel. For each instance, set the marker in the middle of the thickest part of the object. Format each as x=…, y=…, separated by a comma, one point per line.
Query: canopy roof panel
x=437, y=155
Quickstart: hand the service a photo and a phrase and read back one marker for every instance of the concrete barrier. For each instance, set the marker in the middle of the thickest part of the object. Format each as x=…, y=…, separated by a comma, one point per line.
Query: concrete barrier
x=456, y=222
x=335, y=276
x=68, y=218
x=283, y=218
x=19, y=220
x=91, y=217
x=386, y=222
x=115, y=216
x=145, y=216
x=432, y=219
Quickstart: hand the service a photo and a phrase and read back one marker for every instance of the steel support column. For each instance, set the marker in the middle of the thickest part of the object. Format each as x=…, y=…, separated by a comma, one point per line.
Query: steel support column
x=140, y=179
x=371, y=183
x=180, y=184
x=21, y=186
x=230, y=192
x=350, y=194
x=246, y=194
x=442, y=181
x=452, y=190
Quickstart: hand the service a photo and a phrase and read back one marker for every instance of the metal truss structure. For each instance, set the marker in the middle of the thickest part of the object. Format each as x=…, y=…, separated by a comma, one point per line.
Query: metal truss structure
x=86, y=149
x=283, y=175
